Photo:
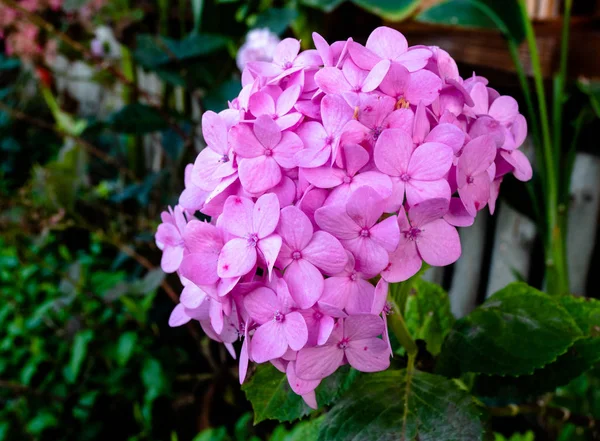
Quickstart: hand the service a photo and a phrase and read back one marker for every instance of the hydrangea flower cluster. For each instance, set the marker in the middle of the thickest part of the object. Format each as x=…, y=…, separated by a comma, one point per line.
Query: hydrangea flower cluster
x=334, y=172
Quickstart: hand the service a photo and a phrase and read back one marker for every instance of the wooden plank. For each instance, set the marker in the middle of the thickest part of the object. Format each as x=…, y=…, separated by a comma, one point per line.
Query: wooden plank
x=467, y=271
x=583, y=219
x=513, y=241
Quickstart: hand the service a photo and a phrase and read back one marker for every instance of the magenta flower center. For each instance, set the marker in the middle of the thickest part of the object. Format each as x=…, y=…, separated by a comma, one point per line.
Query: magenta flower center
x=268, y=152
x=329, y=140
x=347, y=179
x=288, y=65
x=343, y=344
x=376, y=132
x=253, y=239
x=224, y=159
x=278, y=317
x=318, y=315
x=354, y=276
x=412, y=234
x=470, y=179
x=296, y=255
x=387, y=308
x=365, y=232
x=405, y=177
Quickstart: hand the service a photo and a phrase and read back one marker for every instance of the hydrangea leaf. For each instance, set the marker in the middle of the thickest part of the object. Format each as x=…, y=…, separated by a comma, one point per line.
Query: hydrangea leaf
x=403, y=405
x=276, y=19
x=582, y=356
x=324, y=5
x=517, y=330
x=394, y=10
x=427, y=314
x=272, y=398
x=490, y=14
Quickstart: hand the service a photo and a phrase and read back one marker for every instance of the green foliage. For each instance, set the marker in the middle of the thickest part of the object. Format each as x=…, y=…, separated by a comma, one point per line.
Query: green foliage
x=393, y=10
x=491, y=14
x=529, y=436
x=138, y=119
x=403, y=405
x=516, y=331
x=276, y=19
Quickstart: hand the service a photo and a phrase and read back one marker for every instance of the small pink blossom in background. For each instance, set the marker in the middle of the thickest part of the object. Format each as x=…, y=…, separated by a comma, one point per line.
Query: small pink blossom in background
x=260, y=45
x=334, y=169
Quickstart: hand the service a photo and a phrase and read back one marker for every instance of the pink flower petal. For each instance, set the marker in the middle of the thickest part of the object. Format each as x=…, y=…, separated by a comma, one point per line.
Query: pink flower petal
x=522, y=166
x=439, y=244
x=424, y=87
x=326, y=325
x=298, y=385
x=335, y=220
x=368, y=355
x=375, y=76
x=305, y=283
x=326, y=253
x=324, y=177
x=237, y=216
x=427, y=211
x=267, y=131
x=178, y=316
x=386, y=233
x=295, y=330
x=318, y=362
x=447, y=134
x=371, y=258
x=286, y=51
x=237, y=258
x=295, y=228
x=393, y=151
x=285, y=152
x=504, y=109
x=261, y=304
x=430, y=161
x=265, y=215
x=244, y=142
x=259, y=174
x=214, y=131
x=396, y=81
x=419, y=191
x=287, y=99
x=332, y=80
x=261, y=103
x=379, y=297
x=269, y=249
x=387, y=42
x=267, y=343
x=365, y=207
x=359, y=296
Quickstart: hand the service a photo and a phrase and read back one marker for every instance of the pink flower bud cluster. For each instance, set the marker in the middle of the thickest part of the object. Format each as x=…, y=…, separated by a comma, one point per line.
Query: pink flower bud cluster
x=331, y=168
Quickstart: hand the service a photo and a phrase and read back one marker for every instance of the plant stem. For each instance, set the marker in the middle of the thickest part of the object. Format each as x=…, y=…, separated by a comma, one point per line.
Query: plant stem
x=397, y=295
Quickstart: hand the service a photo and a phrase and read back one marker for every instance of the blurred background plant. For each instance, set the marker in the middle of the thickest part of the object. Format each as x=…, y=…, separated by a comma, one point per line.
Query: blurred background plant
x=100, y=104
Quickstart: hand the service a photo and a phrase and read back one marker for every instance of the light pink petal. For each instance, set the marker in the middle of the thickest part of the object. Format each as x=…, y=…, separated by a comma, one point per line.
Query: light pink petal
x=332, y=80
x=504, y=109
x=259, y=174
x=285, y=152
x=424, y=87
x=393, y=151
x=298, y=385
x=458, y=215
x=310, y=399
x=430, y=161
x=178, y=316
x=519, y=161
x=295, y=228
x=396, y=81
x=371, y=258
x=202, y=237
x=415, y=59
x=295, y=330
x=419, y=191
x=267, y=131
x=318, y=362
x=519, y=130
x=399, y=119
x=171, y=259
x=326, y=253
x=421, y=124
x=396, y=199
x=168, y=234
x=358, y=327
x=265, y=215
x=323, y=49
x=308, y=58
x=326, y=325
x=446, y=65
x=387, y=42
x=289, y=120
x=287, y=99
x=359, y=296
x=244, y=358
x=439, y=244
x=267, y=342
x=379, y=182
x=336, y=291
x=376, y=76
x=335, y=113
x=355, y=157
x=324, y=177
x=386, y=233
x=363, y=57
x=475, y=195
x=286, y=51
x=313, y=157
x=269, y=249
x=379, y=297
x=214, y=131
x=447, y=134
x=312, y=134
x=486, y=125
x=305, y=283
x=427, y=211
x=264, y=68
x=200, y=268
x=335, y=220
x=237, y=216
x=244, y=142
x=236, y=259
x=477, y=156
x=365, y=206
x=261, y=103
x=368, y=355
x=404, y=263
x=479, y=94
x=192, y=296
x=216, y=317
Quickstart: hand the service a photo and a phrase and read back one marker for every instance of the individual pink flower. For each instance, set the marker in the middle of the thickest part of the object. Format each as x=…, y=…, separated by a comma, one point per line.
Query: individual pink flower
x=351, y=78
x=262, y=103
x=356, y=225
x=472, y=177
x=260, y=45
x=354, y=341
x=407, y=88
x=280, y=326
x=426, y=236
x=378, y=113
x=169, y=238
x=304, y=388
x=193, y=197
x=286, y=60
x=262, y=152
x=305, y=255
x=320, y=323
x=204, y=243
x=417, y=172
x=252, y=226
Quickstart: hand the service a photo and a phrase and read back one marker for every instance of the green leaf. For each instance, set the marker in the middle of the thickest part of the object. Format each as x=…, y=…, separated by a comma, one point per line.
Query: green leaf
x=149, y=283
x=272, y=398
x=393, y=10
x=502, y=15
x=216, y=98
x=517, y=330
x=137, y=119
x=528, y=436
x=398, y=405
x=592, y=90
x=324, y=5
x=8, y=63
x=213, y=434
x=42, y=421
x=305, y=430
x=579, y=358
x=427, y=314
x=78, y=353
x=125, y=347
x=276, y=19
x=157, y=51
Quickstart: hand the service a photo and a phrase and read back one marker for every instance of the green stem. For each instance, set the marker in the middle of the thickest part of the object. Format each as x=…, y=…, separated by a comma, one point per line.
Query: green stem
x=398, y=326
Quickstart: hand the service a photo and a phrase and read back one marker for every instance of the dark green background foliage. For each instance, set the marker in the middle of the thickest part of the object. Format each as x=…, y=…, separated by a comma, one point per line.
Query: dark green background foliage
x=85, y=350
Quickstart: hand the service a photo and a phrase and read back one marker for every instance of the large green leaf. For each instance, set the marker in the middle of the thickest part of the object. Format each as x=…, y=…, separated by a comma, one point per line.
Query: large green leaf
x=427, y=314
x=582, y=356
x=78, y=353
x=272, y=398
x=398, y=405
x=276, y=19
x=323, y=5
x=503, y=15
x=138, y=119
x=394, y=10
x=517, y=330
